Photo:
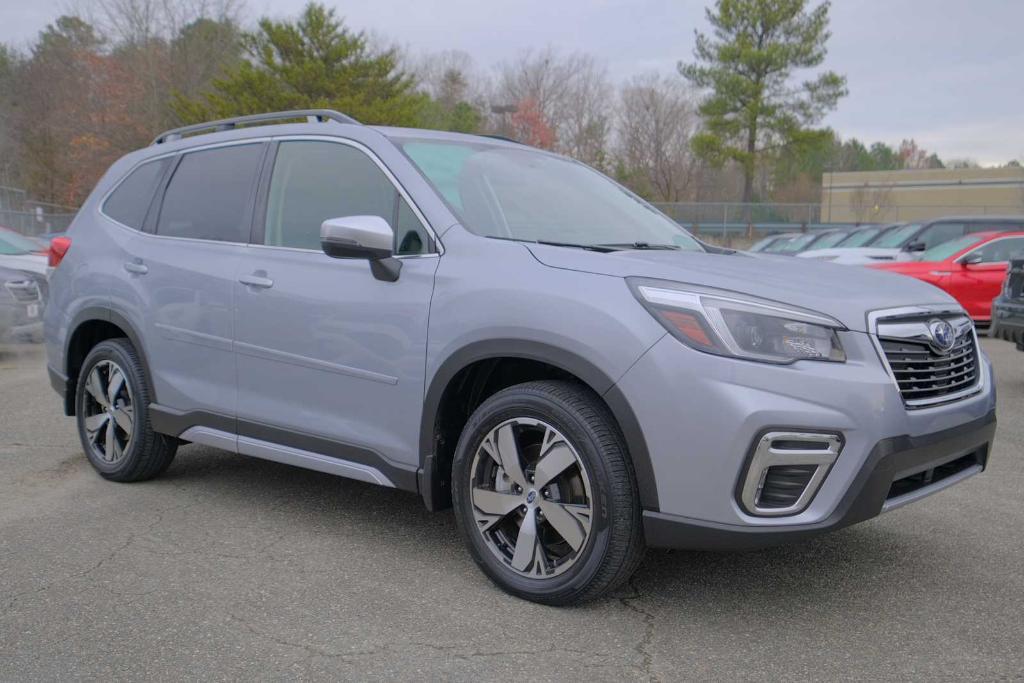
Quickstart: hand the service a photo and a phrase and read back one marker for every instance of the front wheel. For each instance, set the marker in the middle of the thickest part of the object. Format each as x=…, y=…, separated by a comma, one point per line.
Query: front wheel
x=545, y=494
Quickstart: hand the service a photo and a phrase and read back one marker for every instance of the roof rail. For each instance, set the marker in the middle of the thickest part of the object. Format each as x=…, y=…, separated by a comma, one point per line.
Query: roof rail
x=311, y=115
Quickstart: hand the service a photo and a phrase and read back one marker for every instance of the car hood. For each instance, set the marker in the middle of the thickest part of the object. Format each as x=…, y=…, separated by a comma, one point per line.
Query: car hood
x=846, y=294
x=34, y=263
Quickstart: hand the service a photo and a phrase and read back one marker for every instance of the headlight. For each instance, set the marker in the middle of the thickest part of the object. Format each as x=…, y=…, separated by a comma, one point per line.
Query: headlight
x=730, y=324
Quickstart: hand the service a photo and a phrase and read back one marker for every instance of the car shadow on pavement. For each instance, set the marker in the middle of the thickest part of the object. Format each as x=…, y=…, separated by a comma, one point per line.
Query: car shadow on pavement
x=789, y=577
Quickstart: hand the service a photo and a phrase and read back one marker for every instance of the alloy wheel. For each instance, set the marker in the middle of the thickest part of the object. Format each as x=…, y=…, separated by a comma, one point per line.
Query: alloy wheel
x=108, y=412
x=531, y=497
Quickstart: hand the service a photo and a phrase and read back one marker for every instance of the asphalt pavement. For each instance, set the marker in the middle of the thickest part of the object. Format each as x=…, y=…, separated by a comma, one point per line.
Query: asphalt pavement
x=234, y=568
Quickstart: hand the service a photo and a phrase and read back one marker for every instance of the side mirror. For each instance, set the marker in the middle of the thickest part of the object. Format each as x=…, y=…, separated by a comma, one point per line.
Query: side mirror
x=362, y=237
x=972, y=259
x=915, y=246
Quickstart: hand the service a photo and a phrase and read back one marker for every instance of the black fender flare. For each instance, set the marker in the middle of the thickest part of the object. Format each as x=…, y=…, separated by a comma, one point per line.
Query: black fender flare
x=567, y=361
x=109, y=315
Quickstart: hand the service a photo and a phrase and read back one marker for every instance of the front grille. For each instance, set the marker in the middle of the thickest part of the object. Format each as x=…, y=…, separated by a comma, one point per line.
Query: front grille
x=922, y=374
x=23, y=290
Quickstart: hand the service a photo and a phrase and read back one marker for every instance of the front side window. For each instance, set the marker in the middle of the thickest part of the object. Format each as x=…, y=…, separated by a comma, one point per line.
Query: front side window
x=941, y=252
x=1001, y=250
x=313, y=181
x=518, y=193
x=129, y=203
x=209, y=195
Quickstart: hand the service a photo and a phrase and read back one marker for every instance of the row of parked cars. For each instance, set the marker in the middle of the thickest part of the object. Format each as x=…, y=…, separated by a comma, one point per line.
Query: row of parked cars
x=23, y=286
x=977, y=260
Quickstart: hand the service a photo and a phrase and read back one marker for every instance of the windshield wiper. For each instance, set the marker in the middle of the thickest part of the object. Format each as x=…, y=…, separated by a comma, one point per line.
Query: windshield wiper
x=641, y=245
x=604, y=248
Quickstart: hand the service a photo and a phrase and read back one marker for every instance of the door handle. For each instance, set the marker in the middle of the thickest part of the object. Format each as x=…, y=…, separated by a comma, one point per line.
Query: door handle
x=256, y=281
x=136, y=267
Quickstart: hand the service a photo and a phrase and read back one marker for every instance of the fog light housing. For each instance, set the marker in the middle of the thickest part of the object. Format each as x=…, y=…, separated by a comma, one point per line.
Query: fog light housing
x=786, y=470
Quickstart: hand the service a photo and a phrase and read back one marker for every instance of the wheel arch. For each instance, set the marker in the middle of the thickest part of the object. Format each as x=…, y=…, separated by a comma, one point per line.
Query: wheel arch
x=89, y=327
x=463, y=372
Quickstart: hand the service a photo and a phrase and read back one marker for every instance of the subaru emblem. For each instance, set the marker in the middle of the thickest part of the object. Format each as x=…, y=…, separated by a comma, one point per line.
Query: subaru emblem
x=943, y=337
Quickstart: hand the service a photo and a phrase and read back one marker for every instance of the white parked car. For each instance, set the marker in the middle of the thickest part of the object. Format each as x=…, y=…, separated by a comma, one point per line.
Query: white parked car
x=907, y=242
x=21, y=253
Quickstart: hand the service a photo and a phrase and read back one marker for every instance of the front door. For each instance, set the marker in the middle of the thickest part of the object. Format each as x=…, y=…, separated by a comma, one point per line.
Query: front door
x=330, y=359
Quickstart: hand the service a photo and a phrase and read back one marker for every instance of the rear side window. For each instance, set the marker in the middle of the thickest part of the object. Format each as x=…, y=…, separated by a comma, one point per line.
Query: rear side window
x=209, y=195
x=129, y=203
x=939, y=233
x=313, y=181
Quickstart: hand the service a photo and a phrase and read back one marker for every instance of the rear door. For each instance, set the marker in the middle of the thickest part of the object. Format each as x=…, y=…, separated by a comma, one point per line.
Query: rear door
x=330, y=359
x=182, y=269
x=975, y=285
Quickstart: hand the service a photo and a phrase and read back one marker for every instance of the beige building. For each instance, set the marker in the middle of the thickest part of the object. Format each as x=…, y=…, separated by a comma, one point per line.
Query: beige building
x=910, y=195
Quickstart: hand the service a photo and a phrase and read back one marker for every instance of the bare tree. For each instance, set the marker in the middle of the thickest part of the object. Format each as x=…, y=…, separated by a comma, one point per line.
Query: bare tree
x=657, y=118
x=572, y=95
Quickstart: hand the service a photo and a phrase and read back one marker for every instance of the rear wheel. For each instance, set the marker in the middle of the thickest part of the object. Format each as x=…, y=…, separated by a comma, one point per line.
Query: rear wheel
x=545, y=494
x=111, y=402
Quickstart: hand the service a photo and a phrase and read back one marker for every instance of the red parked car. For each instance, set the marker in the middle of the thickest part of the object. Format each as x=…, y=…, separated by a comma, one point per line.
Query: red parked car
x=971, y=268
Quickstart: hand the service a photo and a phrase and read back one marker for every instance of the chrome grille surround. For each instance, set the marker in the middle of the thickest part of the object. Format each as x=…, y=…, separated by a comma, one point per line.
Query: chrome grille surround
x=924, y=376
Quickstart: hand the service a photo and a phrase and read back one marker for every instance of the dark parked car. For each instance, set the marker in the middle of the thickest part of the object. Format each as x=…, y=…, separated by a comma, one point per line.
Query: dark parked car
x=1008, y=308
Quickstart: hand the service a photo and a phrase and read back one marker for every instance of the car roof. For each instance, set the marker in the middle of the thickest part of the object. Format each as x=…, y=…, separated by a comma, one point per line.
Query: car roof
x=982, y=219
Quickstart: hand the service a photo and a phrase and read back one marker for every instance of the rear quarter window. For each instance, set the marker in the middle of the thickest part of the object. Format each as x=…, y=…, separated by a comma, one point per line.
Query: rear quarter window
x=130, y=200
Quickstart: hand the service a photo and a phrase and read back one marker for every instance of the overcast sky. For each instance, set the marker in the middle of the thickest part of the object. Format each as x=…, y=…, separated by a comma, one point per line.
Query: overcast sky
x=949, y=73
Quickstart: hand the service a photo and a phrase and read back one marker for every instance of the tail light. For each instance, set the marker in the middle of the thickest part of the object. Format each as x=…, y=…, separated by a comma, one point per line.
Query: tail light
x=58, y=248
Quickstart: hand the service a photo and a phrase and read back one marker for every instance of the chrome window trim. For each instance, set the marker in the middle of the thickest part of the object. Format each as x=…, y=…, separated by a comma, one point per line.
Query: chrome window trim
x=874, y=317
x=439, y=247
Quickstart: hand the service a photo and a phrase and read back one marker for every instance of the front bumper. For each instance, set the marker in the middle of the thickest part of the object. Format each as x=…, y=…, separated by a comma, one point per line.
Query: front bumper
x=964, y=450
x=698, y=416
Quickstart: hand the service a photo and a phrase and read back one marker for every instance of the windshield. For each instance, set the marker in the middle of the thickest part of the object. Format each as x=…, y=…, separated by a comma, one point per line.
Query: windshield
x=13, y=244
x=827, y=241
x=521, y=194
x=763, y=243
x=859, y=238
x=941, y=252
x=897, y=237
x=797, y=244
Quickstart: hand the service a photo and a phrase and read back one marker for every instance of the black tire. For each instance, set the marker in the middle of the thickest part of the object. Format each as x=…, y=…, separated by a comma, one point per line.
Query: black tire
x=615, y=546
x=146, y=454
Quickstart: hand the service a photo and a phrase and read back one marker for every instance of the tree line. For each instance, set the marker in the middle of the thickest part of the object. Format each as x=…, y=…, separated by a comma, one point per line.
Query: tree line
x=726, y=126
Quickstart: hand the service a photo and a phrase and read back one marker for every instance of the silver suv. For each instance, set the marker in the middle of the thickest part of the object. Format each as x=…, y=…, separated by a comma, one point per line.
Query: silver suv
x=502, y=330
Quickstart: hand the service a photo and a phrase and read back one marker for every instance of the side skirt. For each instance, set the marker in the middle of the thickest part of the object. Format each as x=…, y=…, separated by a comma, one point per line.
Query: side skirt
x=283, y=446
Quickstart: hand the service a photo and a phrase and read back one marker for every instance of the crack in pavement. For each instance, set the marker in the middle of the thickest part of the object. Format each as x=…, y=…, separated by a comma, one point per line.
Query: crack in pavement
x=132, y=536
x=643, y=647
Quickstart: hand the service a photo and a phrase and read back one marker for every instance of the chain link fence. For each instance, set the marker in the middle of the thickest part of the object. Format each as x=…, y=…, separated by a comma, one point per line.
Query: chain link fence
x=29, y=217
x=736, y=222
